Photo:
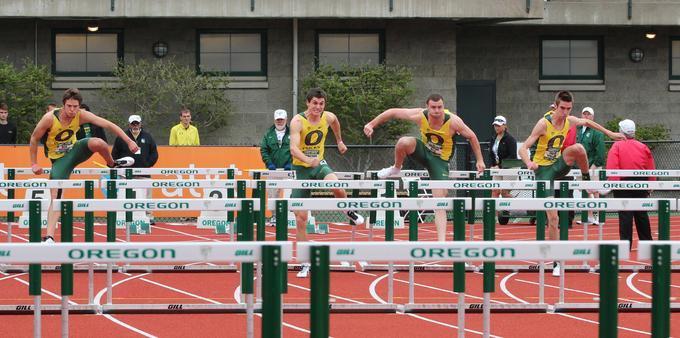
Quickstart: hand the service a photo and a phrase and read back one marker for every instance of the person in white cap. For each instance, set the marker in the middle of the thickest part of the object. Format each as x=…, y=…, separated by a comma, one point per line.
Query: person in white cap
x=593, y=142
x=631, y=154
x=275, y=145
x=549, y=162
x=502, y=146
x=146, y=155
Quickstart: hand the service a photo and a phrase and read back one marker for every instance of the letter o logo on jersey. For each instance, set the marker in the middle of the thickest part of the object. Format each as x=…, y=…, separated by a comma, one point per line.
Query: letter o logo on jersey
x=64, y=135
x=313, y=138
x=434, y=138
x=559, y=139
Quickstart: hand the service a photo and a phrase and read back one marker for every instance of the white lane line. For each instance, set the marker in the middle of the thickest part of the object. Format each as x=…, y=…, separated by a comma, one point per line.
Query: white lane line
x=629, y=282
x=330, y=294
x=100, y=234
x=504, y=287
x=97, y=301
x=577, y=291
x=8, y=276
x=186, y=233
x=15, y=236
x=181, y=291
x=375, y=296
x=237, y=298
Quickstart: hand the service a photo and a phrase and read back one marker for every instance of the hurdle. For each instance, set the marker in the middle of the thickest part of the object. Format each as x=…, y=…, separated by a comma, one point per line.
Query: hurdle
x=320, y=255
x=661, y=254
x=271, y=253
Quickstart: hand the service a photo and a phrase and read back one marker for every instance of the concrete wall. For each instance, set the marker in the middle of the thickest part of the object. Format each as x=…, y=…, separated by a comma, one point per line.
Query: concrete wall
x=510, y=55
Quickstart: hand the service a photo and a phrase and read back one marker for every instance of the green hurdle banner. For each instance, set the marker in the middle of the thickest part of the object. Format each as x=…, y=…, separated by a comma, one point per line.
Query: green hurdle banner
x=149, y=183
x=368, y=204
x=625, y=185
x=479, y=185
x=45, y=184
x=607, y=204
x=425, y=174
x=149, y=252
x=137, y=171
x=321, y=184
x=461, y=251
x=157, y=204
x=643, y=173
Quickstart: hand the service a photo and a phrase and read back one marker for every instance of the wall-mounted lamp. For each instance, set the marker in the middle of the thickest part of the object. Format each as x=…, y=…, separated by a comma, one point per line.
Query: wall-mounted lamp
x=92, y=28
x=636, y=55
x=650, y=35
x=160, y=49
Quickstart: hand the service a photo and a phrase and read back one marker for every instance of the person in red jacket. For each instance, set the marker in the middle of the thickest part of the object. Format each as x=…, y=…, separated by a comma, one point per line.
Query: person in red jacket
x=631, y=154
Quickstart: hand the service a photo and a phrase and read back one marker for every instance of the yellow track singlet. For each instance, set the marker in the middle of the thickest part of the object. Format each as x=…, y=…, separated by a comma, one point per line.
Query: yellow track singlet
x=438, y=141
x=312, y=138
x=549, y=145
x=60, y=139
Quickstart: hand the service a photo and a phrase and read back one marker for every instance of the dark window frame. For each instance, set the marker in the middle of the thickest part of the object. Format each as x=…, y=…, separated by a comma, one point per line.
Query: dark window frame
x=670, y=58
x=263, y=51
x=381, y=41
x=600, y=58
x=120, y=49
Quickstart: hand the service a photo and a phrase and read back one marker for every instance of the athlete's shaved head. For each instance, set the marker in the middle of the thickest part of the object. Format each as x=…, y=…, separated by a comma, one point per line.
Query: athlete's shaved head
x=434, y=98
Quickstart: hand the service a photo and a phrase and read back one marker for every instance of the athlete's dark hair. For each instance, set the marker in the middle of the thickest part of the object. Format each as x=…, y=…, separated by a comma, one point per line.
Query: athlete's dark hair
x=316, y=92
x=4, y=106
x=434, y=98
x=72, y=93
x=564, y=96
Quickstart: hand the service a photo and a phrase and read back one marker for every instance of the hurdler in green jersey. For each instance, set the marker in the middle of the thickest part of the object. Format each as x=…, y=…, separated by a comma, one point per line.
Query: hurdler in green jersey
x=308, y=131
x=58, y=130
x=433, y=149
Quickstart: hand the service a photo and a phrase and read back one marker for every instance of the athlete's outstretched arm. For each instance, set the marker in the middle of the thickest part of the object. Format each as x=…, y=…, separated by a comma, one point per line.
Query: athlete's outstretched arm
x=539, y=129
x=40, y=130
x=87, y=117
x=335, y=126
x=459, y=127
x=410, y=114
x=592, y=124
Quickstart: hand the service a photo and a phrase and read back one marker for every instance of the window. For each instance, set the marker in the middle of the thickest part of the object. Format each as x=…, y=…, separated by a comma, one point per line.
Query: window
x=675, y=58
x=242, y=53
x=576, y=58
x=350, y=48
x=84, y=54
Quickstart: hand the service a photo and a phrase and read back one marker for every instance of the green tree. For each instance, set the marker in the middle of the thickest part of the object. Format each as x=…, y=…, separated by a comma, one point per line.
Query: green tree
x=26, y=91
x=158, y=89
x=357, y=95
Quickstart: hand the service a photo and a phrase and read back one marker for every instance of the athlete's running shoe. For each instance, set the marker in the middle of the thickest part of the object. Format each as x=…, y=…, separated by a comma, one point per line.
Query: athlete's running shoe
x=388, y=172
x=356, y=218
x=305, y=271
x=123, y=162
x=557, y=269
x=48, y=239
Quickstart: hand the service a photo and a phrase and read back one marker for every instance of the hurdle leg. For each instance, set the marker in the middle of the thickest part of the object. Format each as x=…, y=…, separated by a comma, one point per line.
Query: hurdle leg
x=411, y=283
x=486, y=314
x=541, y=282
x=64, y=316
x=461, y=314
x=36, y=317
x=109, y=282
x=90, y=284
x=562, y=275
x=390, y=282
x=250, y=322
x=258, y=285
x=9, y=231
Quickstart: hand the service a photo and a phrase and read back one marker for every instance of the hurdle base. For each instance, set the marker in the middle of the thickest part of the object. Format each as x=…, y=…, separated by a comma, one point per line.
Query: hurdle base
x=28, y=309
x=536, y=268
x=343, y=308
x=342, y=267
x=475, y=308
x=366, y=266
x=57, y=268
x=179, y=268
x=595, y=307
x=639, y=268
x=173, y=308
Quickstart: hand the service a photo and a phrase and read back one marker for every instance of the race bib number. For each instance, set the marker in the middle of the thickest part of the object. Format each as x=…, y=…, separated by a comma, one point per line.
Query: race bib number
x=63, y=147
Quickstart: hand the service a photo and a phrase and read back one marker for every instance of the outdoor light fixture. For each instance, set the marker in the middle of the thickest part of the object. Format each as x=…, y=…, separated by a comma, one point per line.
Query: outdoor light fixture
x=650, y=35
x=93, y=27
x=160, y=49
x=636, y=55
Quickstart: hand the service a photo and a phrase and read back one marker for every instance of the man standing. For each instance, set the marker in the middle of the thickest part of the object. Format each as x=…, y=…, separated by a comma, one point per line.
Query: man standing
x=593, y=142
x=433, y=149
x=184, y=134
x=308, y=131
x=275, y=145
x=58, y=128
x=8, y=130
x=631, y=154
x=549, y=161
x=146, y=154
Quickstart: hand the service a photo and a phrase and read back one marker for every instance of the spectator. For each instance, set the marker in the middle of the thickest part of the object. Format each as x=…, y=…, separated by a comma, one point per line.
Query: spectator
x=503, y=146
x=8, y=130
x=89, y=129
x=275, y=145
x=184, y=134
x=593, y=141
x=631, y=154
x=50, y=107
x=145, y=157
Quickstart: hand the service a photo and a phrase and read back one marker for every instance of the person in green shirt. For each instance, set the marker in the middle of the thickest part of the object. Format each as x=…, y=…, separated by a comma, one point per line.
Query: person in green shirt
x=275, y=145
x=593, y=142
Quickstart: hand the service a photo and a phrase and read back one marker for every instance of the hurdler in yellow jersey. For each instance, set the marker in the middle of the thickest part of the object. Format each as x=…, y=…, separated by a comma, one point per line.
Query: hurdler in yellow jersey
x=57, y=129
x=432, y=149
x=308, y=132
